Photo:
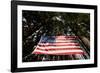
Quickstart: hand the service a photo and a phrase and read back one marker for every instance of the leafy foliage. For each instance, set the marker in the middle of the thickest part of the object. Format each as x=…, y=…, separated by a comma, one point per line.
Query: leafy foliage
x=38, y=23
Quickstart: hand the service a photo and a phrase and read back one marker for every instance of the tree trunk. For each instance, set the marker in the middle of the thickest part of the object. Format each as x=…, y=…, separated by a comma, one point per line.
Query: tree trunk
x=85, y=41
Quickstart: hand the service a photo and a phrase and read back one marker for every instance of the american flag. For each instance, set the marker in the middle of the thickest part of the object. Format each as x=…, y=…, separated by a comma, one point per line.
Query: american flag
x=58, y=45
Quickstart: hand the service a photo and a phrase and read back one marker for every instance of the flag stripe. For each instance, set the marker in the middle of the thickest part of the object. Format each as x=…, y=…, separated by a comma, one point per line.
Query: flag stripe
x=58, y=44
x=65, y=38
x=62, y=36
x=58, y=49
x=64, y=41
x=63, y=52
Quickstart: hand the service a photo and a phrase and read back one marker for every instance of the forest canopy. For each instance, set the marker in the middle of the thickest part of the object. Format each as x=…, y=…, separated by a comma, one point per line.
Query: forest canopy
x=38, y=23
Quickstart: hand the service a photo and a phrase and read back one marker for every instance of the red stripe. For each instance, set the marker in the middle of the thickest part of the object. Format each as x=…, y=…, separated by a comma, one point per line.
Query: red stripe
x=66, y=36
x=68, y=53
x=59, y=44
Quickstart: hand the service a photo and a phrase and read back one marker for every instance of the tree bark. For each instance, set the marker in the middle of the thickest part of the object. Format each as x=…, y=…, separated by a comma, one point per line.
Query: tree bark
x=85, y=41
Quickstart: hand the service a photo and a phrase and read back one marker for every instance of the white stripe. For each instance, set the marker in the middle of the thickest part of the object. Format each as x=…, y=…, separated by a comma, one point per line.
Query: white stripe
x=54, y=47
x=58, y=51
